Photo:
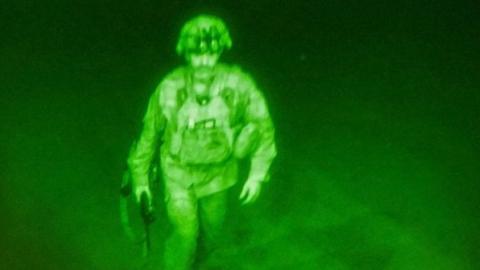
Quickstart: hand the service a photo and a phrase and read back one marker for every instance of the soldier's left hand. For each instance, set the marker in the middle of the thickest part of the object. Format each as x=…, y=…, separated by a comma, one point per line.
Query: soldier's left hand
x=250, y=192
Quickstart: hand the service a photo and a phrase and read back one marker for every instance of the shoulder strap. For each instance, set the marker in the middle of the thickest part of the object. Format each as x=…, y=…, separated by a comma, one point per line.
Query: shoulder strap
x=177, y=99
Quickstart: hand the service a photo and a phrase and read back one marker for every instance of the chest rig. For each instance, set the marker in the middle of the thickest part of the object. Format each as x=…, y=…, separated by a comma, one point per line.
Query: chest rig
x=203, y=125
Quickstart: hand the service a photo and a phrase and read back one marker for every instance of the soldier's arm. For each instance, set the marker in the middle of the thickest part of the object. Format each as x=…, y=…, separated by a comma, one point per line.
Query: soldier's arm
x=256, y=113
x=143, y=153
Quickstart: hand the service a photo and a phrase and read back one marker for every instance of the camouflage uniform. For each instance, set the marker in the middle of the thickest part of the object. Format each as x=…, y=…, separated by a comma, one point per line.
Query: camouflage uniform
x=195, y=168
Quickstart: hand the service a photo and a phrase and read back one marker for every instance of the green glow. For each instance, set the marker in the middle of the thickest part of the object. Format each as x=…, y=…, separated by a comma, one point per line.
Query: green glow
x=208, y=115
x=375, y=106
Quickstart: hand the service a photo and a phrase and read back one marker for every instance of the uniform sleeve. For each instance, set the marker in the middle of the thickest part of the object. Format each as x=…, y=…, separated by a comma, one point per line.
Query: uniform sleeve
x=256, y=114
x=142, y=154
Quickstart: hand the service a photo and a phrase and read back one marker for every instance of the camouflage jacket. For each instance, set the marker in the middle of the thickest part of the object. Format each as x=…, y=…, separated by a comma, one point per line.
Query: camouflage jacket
x=247, y=111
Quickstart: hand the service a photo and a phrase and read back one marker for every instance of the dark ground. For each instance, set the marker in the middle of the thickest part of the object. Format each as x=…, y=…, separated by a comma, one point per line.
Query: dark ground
x=376, y=107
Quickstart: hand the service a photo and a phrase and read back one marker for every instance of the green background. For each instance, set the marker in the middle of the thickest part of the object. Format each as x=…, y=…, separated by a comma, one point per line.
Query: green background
x=376, y=106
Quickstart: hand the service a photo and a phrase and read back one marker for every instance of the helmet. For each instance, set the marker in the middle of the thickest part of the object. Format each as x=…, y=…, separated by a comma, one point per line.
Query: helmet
x=203, y=34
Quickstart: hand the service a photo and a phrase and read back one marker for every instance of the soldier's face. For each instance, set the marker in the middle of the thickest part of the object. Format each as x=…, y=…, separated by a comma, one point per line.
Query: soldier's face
x=203, y=61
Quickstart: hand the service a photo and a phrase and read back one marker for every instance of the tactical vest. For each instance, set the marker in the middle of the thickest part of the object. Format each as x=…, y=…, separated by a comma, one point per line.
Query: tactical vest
x=202, y=134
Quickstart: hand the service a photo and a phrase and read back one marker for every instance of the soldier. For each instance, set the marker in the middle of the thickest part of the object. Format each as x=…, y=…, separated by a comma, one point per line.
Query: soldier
x=204, y=117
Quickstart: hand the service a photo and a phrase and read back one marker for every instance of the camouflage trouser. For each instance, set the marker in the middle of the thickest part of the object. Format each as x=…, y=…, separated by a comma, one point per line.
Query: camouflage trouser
x=196, y=199
x=188, y=215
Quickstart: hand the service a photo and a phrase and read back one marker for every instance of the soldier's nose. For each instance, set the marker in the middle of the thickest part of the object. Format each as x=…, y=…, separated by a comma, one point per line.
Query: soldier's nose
x=205, y=60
